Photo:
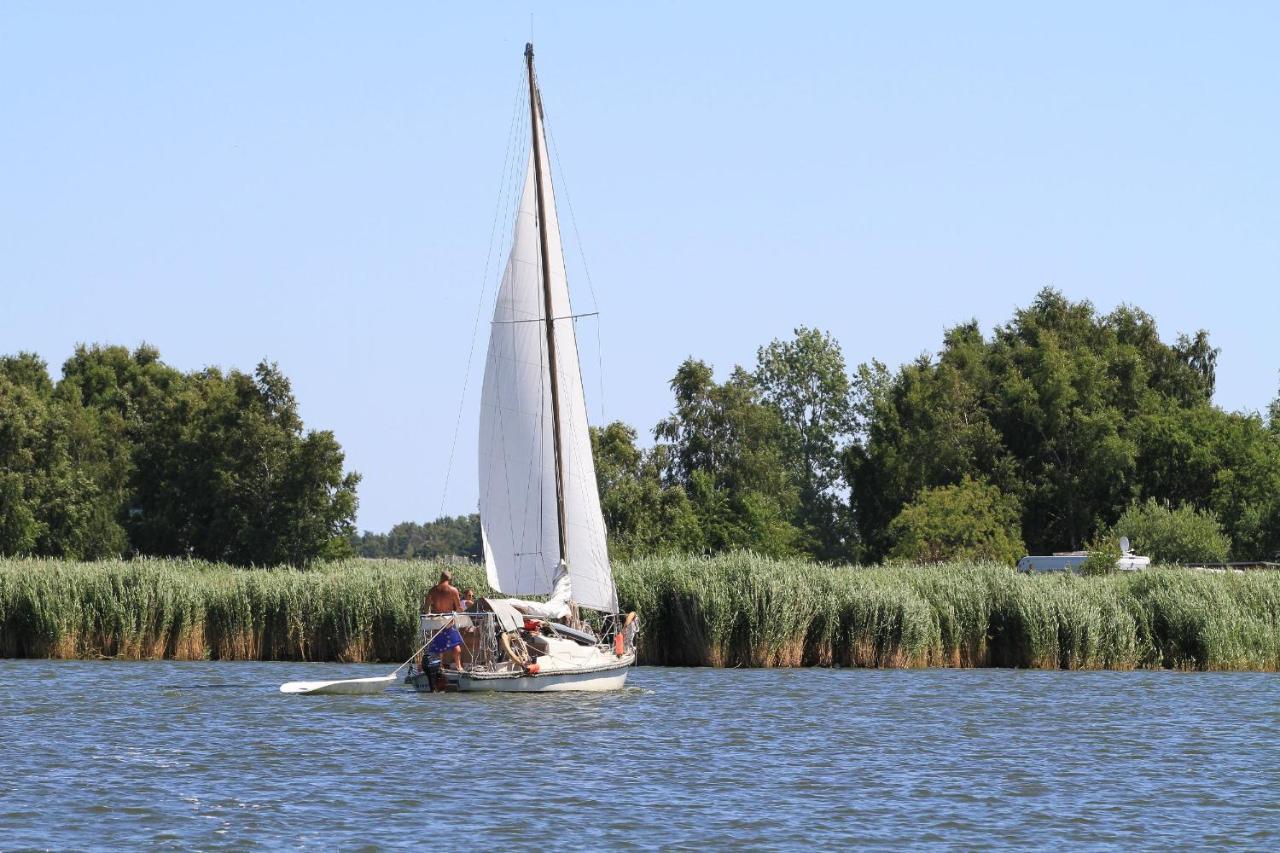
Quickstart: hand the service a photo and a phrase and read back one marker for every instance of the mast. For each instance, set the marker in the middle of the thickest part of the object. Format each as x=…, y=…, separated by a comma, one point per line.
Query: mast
x=535, y=127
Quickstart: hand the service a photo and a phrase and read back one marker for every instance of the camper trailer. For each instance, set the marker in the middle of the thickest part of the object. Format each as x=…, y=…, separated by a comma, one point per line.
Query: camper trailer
x=1071, y=561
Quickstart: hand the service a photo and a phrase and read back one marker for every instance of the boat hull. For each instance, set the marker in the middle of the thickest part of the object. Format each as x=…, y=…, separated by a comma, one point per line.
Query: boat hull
x=588, y=679
x=550, y=683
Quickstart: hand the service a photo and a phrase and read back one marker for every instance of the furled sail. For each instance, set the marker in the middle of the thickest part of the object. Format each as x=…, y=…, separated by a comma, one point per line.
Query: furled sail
x=518, y=518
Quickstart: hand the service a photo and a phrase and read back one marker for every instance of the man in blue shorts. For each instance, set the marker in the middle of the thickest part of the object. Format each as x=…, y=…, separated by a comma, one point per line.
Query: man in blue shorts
x=444, y=598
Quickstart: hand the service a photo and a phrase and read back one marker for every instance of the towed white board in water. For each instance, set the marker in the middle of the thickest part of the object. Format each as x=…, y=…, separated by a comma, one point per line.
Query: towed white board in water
x=347, y=687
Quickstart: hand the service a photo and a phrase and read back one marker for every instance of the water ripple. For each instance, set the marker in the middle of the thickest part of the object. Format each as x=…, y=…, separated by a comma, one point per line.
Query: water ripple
x=210, y=756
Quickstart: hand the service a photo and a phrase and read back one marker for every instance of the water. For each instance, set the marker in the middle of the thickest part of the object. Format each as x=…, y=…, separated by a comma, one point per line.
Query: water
x=209, y=755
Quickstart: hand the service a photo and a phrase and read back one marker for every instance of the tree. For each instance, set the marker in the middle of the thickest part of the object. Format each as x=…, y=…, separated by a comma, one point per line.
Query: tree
x=62, y=471
x=226, y=473
x=641, y=514
x=1273, y=415
x=1060, y=408
x=1074, y=413
x=24, y=400
x=86, y=474
x=27, y=370
x=805, y=380
x=135, y=386
x=1173, y=535
x=725, y=449
x=927, y=426
x=447, y=536
x=971, y=520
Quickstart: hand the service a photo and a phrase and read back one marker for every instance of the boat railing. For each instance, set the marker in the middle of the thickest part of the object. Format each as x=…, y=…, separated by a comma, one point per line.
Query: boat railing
x=482, y=647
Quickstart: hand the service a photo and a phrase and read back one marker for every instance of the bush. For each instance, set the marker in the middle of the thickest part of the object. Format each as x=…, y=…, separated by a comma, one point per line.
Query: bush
x=1104, y=551
x=968, y=521
x=1167, y=535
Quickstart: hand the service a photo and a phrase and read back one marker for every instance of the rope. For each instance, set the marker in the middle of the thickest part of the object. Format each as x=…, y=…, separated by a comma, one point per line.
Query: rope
x=484, y=289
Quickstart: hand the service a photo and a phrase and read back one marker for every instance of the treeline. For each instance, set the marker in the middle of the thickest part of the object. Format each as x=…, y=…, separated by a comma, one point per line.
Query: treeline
x=445, y=537
x=125, y=455
x=1038, y=438
x=1062, y=430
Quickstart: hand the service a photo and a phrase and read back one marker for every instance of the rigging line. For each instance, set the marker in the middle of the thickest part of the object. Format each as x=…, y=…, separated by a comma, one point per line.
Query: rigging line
x=541, y=319
x=586, y=268
x=484, y=289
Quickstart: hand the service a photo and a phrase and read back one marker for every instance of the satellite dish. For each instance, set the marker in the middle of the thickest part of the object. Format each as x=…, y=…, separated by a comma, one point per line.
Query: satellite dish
x=1124, y=544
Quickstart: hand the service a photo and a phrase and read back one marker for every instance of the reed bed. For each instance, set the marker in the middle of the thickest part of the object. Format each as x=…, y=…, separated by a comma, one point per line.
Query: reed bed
x=735, y=610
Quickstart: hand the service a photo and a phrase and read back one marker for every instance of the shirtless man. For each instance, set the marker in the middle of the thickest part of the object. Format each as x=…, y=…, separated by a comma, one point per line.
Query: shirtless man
x=444, y=598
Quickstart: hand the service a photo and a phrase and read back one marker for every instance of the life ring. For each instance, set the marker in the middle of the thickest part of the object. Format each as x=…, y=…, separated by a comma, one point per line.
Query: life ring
x=515, y=648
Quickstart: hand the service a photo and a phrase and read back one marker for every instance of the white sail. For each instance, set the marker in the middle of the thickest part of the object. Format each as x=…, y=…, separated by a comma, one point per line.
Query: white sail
x=518, y=517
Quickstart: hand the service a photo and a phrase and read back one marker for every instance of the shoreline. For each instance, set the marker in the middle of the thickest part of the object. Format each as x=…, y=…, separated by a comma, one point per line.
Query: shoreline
x=737, y=610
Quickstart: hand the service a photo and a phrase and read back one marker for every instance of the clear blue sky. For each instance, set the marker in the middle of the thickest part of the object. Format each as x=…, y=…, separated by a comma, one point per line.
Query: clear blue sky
x=315, y=184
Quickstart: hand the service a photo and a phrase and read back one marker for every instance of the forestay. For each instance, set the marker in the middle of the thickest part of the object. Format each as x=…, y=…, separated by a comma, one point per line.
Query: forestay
x=519, y=524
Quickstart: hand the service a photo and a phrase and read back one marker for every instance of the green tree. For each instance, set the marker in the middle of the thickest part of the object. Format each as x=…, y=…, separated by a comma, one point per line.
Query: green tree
x=806, y=381
x=126, y=453
x=135, y=386
x=725, y=448
x=63, y=472
x=1273, y=415
x=226, y=473
x=447, y=536
x=1173, y=535
x=1074, y=413
x=1061, y=412
x=27, y=370
x=25, y=392
x=85, y=475
x=971, y=520
x=927, y=426
x=641, y=514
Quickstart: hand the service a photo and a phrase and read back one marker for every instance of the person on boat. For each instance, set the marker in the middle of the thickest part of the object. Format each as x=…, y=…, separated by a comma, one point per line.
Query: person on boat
x=468, y=600
x=444, y=598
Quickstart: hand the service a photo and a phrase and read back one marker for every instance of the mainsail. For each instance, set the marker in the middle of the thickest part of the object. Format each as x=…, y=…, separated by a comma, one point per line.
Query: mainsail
x=518, y=513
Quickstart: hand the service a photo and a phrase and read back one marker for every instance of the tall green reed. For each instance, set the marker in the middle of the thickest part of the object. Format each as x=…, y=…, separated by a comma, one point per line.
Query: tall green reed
x=734, y=610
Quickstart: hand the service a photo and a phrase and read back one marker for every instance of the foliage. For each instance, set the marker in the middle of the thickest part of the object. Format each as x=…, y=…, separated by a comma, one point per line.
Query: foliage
x=805, y=381
x=968, y=521
x=1076, y=414
x=124, y=453
x=63, y=468
x=446, y=536
x=641, y=514
x=725, y=449
x=1103, y=553
x=1174, y=535
x=737, y=609
x=1067, y=414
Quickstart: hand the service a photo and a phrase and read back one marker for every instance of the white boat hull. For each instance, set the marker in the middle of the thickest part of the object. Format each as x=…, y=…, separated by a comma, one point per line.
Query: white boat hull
x=613, y=678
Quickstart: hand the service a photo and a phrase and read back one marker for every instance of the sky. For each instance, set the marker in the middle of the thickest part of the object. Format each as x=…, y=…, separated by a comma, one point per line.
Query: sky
x=317, y=184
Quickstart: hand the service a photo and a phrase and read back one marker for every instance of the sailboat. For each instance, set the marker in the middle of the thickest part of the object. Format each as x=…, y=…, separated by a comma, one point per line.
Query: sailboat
x=542, y=528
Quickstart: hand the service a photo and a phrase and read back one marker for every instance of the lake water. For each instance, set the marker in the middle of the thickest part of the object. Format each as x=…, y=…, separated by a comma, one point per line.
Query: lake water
x=210, y=755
